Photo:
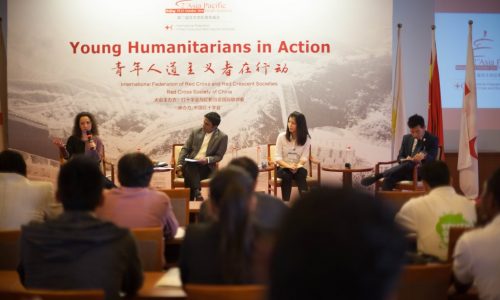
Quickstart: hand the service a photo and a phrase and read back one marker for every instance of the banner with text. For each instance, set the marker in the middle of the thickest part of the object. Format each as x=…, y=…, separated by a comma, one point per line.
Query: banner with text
x=150, y=70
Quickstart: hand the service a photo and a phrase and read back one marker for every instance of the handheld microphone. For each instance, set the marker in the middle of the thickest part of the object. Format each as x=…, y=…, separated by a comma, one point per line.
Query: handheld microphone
x=90, y=139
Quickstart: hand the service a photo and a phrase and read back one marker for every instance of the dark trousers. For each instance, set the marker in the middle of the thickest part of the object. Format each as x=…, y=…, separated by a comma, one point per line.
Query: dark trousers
x=286, y=181
x=194, y=173
x=403, y=171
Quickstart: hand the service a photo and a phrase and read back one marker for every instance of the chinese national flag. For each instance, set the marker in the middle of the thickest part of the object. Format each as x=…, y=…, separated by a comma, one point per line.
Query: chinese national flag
x=467, y=154
x=435, y=112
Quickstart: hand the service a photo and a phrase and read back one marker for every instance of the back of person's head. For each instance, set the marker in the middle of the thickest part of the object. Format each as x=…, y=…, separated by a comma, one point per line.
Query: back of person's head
x=214, y=118
x=135, y=170
x=416, y=120
x=436, y=174
x=493, y=187
x=231, y=192
x=80, y=184
x=12, y=162
x=337, y=244
x=246, y=164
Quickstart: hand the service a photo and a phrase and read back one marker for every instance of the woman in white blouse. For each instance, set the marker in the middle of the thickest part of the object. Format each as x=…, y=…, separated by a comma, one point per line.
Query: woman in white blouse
x=292, y=152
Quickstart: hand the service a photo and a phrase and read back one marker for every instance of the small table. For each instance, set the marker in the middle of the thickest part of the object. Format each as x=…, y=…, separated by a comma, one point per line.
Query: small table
x=346, y=173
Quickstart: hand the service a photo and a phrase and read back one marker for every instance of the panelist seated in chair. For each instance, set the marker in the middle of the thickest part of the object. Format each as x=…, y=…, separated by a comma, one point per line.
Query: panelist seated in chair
x=84, y=140
x=77, y=250
x=205, y=147
x=418, y=147
x=135, y=204
x=292, y=152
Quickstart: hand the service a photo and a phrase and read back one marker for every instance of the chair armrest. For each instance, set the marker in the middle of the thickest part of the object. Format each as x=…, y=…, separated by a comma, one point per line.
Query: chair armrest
x=315, y=161
x=415, y=175
x=112, y=168
x=377, y=166
x=319, y=171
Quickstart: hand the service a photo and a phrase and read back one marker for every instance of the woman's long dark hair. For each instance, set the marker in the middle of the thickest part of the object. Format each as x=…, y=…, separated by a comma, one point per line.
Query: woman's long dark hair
x=231, y=190
x=77, y=132
x=302, y=132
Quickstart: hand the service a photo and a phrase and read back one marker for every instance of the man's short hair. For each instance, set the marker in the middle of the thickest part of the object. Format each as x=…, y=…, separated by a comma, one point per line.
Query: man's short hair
x=436, y=173
x=135, y=170
x=12, y=162
x=247, y=164
x=80, y=184
x=416, y=120
x=337, y=242
x=493, y=186
x=214, y=118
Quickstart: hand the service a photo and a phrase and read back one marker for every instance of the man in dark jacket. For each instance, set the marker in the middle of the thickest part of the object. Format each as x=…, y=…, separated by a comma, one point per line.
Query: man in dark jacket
x=77, y=250
x=418, y=147
x=204, y=148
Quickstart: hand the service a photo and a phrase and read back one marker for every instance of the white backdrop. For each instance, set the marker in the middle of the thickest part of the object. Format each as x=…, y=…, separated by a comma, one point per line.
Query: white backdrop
x=344, y=90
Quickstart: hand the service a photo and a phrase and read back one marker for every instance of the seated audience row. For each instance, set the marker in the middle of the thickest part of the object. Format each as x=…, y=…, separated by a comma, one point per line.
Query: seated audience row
x=77, y=250
x=331, y=243
x=22, y=200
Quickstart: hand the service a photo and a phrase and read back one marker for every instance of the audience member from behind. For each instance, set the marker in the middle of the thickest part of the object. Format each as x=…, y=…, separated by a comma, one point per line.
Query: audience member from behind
x=268, y=211
x=266, y=218
x=134, y=204
x=77, y=250
x=476, y=257
x=21, y=200
x=430, y=216
x=220, y=252
x=337, y=244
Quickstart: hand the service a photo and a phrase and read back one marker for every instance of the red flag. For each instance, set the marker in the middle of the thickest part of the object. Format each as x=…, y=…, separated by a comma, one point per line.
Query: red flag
x=435, y=112
x=467, y=153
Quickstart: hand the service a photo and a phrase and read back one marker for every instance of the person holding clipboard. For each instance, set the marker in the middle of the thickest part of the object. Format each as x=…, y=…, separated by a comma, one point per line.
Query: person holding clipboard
x=198, y=157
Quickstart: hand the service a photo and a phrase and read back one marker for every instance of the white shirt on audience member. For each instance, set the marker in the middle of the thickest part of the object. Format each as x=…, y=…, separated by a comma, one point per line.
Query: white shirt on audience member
x=430, y=217
x=477, y=259
x=289, y=151
x=23, y=200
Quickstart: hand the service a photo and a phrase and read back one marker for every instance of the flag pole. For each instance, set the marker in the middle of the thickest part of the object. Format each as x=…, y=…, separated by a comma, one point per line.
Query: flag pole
x=3, y=92
x=398, y=126
x=467, y=163
x=434, y=109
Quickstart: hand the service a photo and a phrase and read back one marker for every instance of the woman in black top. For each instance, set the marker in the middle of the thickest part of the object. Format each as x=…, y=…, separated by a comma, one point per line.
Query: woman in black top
x=84, y=139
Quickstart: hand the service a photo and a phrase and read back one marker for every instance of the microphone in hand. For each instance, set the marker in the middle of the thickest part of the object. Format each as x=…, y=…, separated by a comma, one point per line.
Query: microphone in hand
x=91, y=140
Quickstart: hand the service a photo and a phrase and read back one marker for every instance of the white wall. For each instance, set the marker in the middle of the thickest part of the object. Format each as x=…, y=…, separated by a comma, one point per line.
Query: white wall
x=416, y=18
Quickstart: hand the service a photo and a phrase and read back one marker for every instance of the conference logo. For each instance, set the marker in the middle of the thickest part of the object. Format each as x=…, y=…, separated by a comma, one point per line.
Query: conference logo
x=484, y=54
x=198, y=7
x=486, y=61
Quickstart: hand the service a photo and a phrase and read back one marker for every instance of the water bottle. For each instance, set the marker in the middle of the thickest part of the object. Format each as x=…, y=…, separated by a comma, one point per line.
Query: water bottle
x=263, y=159
x=349, y=157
